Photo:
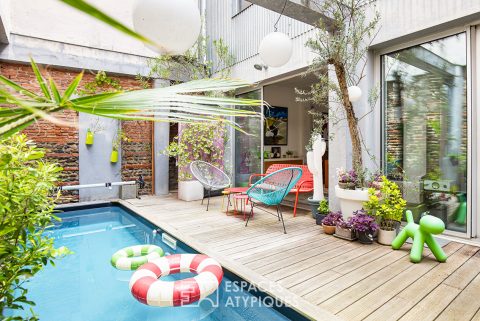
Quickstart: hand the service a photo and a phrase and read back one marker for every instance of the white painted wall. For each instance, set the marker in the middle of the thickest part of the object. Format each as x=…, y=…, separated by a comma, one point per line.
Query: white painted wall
x=244, y=32
x=53, y=20
x=5, y=21
x=299, y=121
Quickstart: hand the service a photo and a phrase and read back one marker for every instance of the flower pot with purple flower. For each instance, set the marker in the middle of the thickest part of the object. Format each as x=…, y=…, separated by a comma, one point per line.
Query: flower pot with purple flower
x=330, y=221
x=344, y=230
x=351, y=199
x=364, y=225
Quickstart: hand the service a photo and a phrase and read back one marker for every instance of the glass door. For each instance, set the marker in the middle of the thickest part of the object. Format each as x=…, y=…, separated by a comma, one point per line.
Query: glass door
x=247, y=149
x=426, y=128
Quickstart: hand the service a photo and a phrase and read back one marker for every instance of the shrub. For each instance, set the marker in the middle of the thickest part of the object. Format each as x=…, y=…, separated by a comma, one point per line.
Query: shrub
x=26, y=208
x=323, y=207
x=362, y=222
x=387, y=204
x=332, y=218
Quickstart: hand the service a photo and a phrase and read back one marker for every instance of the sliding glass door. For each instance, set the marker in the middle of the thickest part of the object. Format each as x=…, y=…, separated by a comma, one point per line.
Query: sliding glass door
x=426, y=127
x=247, y=153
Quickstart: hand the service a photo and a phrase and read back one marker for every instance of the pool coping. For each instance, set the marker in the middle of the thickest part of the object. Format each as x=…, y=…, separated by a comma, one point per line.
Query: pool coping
x=293, y=301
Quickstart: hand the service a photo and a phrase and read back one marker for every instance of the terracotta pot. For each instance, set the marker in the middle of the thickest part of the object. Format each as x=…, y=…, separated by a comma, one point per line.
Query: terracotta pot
x=330, y=230
x=346, y=185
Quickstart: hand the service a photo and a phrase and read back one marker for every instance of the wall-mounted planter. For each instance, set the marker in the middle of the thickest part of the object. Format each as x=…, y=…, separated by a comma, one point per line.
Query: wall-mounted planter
x=114, y=156
x=89, y=139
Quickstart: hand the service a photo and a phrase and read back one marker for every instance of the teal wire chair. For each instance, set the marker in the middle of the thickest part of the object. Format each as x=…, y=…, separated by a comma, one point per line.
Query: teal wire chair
x=272, y=189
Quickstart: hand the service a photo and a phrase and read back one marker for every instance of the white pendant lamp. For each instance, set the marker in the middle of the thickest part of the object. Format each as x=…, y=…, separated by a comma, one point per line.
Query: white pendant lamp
x=276, y=49
x=173, y=25
x=354, y=93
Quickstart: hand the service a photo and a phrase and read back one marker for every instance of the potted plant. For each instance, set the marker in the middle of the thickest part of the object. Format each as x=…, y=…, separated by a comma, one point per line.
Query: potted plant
x=94, y=128
x=349, y=191
x=364, y=225
x=116, y=143
x=330, y=221
x=196, y=142
x=323, y=211
x=388, y=205
x=289, y=153
x=344, y=230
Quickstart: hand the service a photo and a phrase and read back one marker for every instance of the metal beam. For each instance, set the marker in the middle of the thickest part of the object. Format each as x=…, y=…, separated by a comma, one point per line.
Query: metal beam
x=302, y=10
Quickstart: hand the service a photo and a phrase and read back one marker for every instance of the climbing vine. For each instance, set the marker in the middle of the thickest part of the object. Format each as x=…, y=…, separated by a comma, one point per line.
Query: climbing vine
x=197, y=142
x=101, y=83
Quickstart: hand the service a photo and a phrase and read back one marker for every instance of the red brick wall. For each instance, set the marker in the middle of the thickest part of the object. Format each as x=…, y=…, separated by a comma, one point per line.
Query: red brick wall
x=61, y=143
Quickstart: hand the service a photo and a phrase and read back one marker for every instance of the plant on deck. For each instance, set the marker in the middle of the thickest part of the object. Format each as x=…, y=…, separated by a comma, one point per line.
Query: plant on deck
x=362, y=222
x=323, y=207
x=333, y=218
x=387, y=204
x=26, y=211
x=197, y=142
x=342, y=42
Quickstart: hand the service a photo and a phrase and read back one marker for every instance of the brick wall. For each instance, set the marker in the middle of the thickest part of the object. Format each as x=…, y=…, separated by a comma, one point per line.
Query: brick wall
x=61, y=143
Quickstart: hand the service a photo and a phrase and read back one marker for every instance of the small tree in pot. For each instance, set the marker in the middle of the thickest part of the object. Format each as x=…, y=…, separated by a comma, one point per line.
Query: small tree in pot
x=387, y=205
x=364, y=225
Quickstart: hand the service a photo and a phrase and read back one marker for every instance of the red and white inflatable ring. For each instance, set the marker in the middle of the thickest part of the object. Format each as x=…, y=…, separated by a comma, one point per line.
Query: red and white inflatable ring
x=147, y=288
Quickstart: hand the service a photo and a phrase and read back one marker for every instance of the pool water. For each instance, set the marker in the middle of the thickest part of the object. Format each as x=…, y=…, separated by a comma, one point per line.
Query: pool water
x=84, y=286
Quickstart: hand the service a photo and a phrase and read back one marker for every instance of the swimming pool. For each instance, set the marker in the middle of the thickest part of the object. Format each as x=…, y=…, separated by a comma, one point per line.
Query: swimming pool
x=84, y=286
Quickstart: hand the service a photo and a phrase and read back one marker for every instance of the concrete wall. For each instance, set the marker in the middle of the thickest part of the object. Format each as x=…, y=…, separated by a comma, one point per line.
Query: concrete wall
x=404, y=20
x=94, y=160
x=55, y=34
x=5, y=21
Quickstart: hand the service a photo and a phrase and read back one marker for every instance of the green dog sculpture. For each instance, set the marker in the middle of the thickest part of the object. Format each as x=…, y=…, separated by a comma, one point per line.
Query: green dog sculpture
x=421, y=234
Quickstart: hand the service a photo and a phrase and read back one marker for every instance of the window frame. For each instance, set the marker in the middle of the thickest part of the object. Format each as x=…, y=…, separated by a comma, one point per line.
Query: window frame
x=380, y=117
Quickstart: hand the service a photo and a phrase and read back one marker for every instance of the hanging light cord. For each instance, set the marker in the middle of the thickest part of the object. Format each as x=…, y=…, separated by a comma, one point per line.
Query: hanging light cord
x=275, y=26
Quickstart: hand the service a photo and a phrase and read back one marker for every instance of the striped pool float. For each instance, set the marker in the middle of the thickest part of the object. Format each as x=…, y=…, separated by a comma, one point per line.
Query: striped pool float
x=148, y=289
x=132, y=257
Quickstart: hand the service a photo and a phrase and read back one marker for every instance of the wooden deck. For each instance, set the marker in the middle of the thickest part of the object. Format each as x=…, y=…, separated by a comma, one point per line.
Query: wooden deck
x=324, y=277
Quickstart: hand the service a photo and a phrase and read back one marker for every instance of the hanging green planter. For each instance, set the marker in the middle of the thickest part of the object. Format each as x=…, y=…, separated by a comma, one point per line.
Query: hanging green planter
x=90, y=138
x=114, y=156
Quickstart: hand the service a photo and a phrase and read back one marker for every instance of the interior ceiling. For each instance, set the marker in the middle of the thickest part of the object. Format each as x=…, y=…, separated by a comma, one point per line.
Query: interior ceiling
x=300, y=82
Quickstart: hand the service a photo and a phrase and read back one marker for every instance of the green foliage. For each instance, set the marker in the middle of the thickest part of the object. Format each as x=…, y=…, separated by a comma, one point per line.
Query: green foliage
x=323, y=207
x=387, y=204
x=193, y=65
x=102, y=83
x=342, y=41
x=119, y=137
x=197, y=142
x=180, y=103
x=26, y=210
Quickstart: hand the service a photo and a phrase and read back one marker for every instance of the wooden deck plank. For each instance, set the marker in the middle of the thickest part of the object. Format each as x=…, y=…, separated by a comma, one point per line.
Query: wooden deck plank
x=413, y=284
x=351, y=280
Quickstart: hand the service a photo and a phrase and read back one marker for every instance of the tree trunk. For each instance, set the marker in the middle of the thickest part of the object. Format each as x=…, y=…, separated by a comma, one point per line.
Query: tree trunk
x=357, y=161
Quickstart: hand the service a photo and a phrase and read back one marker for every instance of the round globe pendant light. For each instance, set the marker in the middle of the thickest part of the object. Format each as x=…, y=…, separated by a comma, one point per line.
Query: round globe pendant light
x=354, y=93
x=174, y=25
x=276, y=49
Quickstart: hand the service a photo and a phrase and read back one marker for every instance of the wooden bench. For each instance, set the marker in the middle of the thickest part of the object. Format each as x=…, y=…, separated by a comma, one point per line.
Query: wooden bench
x=304, y=185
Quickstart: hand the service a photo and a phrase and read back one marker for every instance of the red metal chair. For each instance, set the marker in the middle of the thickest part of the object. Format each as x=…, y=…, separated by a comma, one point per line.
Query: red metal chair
x=304, y=185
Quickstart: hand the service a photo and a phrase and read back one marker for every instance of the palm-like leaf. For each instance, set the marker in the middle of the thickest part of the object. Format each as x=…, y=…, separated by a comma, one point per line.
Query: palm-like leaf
x=180, y=103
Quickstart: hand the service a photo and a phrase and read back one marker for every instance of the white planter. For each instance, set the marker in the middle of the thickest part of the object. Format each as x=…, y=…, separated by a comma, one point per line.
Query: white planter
x=315, y=163
x=190, y=190
x=350, y=200
x=386, y=237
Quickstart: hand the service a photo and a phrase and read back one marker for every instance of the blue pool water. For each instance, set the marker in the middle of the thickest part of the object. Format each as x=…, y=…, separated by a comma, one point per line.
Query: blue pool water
x=84, y=286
